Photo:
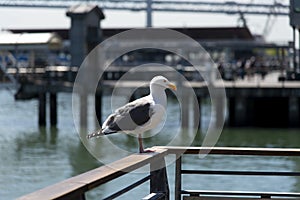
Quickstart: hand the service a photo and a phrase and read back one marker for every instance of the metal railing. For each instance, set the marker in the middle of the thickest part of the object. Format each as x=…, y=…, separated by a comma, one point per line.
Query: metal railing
x=76, y=187
x=199, y=194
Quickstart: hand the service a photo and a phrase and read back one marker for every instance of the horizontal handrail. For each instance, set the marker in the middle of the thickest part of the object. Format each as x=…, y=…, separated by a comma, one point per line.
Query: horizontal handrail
x=78, y=185
x=239, y=173
x=242, y=193
x=75, y=187
x=232, y=151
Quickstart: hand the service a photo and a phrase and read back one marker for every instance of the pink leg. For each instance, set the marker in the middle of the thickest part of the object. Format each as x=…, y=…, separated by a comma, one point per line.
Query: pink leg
x=141, y=148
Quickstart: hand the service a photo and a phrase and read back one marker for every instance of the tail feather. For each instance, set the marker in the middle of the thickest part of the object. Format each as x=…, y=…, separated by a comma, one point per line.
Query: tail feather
x=100, y=132
x=95, y=134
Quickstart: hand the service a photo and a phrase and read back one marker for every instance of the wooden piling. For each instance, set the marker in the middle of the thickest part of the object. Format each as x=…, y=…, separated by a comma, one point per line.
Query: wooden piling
x=53, y=109
x=238, y=111
x=185, y=105
x=231, y=111
x=294, y=118
x=83, y=111
x=98, y=107
x=219, y=112
x=197, y=115
x=42, y=109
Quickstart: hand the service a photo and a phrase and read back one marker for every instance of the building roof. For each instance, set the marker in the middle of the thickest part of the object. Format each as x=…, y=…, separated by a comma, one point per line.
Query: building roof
x=213, y=33
x=83, y=9
x=63, y=33
x=216, y=33
x=11, y=40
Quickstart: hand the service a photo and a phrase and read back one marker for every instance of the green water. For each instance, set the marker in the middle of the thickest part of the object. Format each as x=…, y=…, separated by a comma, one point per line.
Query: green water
x=32, y=158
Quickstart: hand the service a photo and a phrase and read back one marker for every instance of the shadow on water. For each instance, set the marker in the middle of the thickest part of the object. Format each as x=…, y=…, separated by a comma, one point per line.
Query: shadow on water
x=81, y=160
x=44, y=138
x=270, y=138
x=49, y=156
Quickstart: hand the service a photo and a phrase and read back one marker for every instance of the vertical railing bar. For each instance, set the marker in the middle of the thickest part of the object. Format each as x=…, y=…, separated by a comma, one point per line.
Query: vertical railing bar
x=159, y=179
x=82, y=197
x=178, y=177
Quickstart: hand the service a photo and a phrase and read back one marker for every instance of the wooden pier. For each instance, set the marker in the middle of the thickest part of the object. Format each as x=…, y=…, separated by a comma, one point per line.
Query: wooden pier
x=76, y=187
x=250, y=102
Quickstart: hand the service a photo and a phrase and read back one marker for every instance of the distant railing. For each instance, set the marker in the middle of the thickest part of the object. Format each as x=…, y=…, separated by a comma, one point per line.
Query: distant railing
x=75, y=187
x=205, y=194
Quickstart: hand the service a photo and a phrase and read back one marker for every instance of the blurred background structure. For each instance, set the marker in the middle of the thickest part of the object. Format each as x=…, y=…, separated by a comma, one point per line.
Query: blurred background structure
x=243, y=59
x=254, y=45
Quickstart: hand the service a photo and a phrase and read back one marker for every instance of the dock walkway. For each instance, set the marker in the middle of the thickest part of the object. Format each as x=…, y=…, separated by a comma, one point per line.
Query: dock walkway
x=250, y=101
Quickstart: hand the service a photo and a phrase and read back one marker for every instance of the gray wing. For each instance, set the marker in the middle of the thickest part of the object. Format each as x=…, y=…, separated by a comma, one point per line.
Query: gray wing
x=129, y=117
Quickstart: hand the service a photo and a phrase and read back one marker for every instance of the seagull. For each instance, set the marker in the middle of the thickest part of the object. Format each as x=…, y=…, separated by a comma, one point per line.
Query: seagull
x=141, y=115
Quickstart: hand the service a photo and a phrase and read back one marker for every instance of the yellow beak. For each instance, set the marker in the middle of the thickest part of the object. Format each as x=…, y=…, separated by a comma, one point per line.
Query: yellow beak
x=172, y=86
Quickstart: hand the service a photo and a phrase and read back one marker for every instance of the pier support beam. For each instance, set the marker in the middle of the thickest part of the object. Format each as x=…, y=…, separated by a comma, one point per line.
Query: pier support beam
x=42, y=109
x=219, y=112
x=185, y=103
x=294, y=119
x=240, y=111
x=53, y=109
x=83, y=111
x=197, y=115
x=237, y=111
x=98, y=108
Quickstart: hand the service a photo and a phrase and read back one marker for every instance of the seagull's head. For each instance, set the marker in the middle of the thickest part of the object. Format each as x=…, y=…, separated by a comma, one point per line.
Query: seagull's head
x=163, y=82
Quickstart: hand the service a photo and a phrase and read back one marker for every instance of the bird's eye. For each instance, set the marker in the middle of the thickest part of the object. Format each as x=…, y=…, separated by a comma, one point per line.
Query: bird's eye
x=165, y=81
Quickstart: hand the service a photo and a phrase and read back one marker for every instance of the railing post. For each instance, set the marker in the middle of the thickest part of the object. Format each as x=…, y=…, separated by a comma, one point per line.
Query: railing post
x=159, y=180
x=178, y=177
x=76, y=195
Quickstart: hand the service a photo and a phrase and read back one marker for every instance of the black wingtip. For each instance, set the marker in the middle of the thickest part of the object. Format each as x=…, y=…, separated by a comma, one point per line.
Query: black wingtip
x=95, y=134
